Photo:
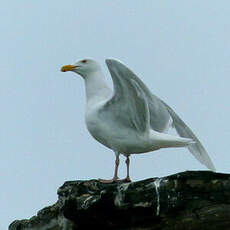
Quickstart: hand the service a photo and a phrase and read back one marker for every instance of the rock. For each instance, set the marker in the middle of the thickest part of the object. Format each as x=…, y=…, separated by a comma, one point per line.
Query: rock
x=195, y=200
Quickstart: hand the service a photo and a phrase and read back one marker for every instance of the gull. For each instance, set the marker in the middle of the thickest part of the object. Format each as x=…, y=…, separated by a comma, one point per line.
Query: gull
x=130, y=119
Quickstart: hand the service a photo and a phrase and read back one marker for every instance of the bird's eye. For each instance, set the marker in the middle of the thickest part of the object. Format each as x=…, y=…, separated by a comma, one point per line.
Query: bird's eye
x=84, y=61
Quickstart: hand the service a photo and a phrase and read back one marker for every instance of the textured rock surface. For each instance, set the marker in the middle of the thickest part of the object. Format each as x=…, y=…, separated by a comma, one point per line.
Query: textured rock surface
x=189, y=200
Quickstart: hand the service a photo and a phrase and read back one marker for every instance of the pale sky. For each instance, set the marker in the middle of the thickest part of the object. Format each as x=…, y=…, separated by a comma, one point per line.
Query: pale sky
x=180, y=49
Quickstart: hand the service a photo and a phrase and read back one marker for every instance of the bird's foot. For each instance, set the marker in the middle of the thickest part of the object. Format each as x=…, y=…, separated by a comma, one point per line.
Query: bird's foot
x=114, y=180
x=126, y=180
x=104, y=181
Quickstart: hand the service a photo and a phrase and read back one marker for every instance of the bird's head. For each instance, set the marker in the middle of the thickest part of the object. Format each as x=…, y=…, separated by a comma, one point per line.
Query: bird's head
x=83, y=67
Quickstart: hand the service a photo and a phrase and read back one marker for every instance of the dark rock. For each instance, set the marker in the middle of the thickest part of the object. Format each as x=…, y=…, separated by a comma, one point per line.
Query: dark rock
x=189, y=200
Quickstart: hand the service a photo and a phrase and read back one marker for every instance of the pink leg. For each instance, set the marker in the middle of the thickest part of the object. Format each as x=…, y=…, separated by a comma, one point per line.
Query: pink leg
x=127, y=179
x=115, y=177
x=117, y=162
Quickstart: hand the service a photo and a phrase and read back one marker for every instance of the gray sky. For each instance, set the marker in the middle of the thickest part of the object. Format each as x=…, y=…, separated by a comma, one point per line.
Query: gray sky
x=180, y=49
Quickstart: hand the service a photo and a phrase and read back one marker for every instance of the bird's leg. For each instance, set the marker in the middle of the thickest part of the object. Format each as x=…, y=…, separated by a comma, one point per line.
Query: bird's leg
x=115, y=177
x=127, y=179
x=117, y=162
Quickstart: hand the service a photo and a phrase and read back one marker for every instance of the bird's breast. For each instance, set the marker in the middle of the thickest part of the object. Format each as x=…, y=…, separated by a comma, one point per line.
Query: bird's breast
x=96, y=127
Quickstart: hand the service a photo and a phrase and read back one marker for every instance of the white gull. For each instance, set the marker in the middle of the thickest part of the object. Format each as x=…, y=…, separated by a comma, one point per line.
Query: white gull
x=130, y=119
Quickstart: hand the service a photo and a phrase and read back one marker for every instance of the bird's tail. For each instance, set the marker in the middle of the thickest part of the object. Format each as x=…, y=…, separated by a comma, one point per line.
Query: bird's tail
x=163, y=140
x=196, y=149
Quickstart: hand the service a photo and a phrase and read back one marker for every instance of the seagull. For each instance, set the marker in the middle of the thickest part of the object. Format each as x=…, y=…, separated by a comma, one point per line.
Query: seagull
x=130, y=119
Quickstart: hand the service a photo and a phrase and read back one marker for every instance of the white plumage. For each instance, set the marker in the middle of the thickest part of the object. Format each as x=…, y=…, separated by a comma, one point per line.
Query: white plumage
x=130, y=119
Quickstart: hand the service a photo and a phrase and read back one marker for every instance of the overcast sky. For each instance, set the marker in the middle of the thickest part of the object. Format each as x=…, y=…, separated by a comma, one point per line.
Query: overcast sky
x=180, y=49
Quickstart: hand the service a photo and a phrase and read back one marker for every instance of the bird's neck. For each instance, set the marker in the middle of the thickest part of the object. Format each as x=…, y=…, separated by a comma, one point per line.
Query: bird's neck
x=96, y=87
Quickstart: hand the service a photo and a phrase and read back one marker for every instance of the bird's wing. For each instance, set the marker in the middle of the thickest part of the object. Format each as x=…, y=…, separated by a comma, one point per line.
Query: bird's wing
x=161, y=114
x=196, y=149
x=128, y=103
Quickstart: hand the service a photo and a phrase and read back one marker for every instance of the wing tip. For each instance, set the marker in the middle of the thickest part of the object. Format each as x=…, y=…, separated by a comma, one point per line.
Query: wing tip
x=211, y=167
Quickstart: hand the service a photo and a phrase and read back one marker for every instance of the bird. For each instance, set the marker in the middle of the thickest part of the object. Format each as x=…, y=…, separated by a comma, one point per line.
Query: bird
x=130, y=119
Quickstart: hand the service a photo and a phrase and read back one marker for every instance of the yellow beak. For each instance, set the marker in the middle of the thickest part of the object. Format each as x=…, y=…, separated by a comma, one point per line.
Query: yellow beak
x=68, y=68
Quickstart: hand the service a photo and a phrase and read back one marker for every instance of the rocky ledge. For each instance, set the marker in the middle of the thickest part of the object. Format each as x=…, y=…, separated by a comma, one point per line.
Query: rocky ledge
x=195, y=200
